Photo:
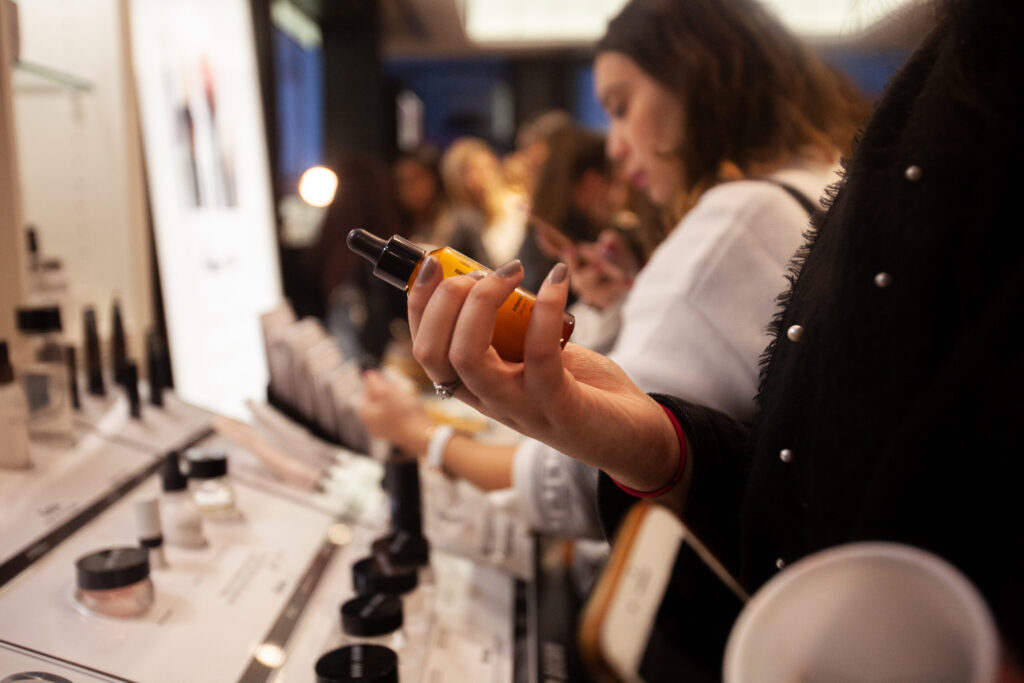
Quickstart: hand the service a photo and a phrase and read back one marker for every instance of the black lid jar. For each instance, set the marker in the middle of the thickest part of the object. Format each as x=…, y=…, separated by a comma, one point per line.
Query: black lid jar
x=364, y=663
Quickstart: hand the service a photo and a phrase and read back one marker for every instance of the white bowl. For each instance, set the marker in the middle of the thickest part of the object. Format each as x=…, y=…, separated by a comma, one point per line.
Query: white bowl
x=865, y=612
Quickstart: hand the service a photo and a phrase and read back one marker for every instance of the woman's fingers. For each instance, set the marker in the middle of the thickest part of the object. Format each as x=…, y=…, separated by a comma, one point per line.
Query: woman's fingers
x=435, y=308
x=542, y=353
x=426, y=281
x=474, y=329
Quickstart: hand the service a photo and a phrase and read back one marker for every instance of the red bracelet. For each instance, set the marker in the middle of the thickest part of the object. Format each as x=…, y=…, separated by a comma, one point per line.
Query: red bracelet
x=679, y=469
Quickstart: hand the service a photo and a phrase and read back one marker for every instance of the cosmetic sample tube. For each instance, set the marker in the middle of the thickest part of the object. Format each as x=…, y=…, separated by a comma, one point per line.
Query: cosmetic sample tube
x=93, y=357
x=131, y=387
x=14, y=452
x=155, y=357
x=397, y=261
x=118, y=346
x=150, y=531
x=70, y=359
x=183, y=519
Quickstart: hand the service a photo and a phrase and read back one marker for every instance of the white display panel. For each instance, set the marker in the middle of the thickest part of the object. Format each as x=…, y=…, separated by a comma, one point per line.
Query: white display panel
x=210, y=191
x=62, y=482
x=213, y=606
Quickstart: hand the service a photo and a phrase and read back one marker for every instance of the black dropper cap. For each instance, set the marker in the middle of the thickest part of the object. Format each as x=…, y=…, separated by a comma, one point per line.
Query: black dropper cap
x=39, y=319
x=131, y=387
x=118, y=348
x=170, y=474
x=6, y=371
x=155, y=355
x=93, y=357
x=394, y=260
x=72, y=364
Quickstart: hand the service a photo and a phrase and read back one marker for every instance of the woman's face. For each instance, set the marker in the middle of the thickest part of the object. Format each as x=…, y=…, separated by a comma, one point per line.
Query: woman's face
x=415, y=186
x=478, y=172
x=644, y=132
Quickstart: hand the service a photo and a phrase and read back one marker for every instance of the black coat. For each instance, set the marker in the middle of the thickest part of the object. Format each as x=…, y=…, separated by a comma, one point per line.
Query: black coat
x=899, y=405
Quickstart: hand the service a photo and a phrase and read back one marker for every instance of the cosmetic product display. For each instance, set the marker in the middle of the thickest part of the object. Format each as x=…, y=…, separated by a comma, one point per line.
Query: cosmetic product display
x=118, y=345
x=397, y=261
x=93, y=356
x=45, y=375
x=71, y=358
x=181, y=517
x=13, y=417
x=369, y=576
x=156, y=356
x=208, y=482
x=150, y=531
x=373, y=620
x=405, y=545
x=115, y=582
x=131, y=388
x=370, y=663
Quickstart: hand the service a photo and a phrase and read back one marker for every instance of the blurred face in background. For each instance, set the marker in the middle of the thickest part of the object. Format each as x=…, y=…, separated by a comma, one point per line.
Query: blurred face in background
x=415, y=187
x=644, y=133
x=479, y=175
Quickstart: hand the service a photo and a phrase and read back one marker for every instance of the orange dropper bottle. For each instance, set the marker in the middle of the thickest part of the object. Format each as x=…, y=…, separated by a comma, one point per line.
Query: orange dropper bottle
x=397, y=261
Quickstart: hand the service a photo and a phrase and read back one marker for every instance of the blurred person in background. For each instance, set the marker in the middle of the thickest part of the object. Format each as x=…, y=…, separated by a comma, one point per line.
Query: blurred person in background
x=533, y=145
x=419, y=191
x=362, y=312
x=489, y=217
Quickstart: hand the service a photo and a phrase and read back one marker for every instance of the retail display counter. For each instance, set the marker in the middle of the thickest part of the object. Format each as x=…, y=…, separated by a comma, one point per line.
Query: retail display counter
x=260, y=601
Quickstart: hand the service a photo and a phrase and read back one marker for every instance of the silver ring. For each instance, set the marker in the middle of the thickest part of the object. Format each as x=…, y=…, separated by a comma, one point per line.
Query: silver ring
x=447, y=389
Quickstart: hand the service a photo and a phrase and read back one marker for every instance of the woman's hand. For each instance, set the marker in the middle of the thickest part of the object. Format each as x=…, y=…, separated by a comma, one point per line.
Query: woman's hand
x=574, y=400
x=601, y=272
x=392, y=413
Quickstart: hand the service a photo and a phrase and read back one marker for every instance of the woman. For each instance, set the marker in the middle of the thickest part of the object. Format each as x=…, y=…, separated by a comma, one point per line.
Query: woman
x=694, y=321
x=890, y=400
x=489, y=218
x=419, y=192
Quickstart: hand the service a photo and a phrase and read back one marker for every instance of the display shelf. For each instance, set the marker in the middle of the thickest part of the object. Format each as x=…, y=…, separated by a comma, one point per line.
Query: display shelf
x=228, y=593
x=65, y=488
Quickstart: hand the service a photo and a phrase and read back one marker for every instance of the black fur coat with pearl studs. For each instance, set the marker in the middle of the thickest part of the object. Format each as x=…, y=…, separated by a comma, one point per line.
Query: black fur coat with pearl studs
x=891, y=399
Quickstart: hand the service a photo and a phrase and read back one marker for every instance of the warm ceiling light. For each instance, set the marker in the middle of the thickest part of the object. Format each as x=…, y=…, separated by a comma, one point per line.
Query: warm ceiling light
x=318, y=185
x=526, y=21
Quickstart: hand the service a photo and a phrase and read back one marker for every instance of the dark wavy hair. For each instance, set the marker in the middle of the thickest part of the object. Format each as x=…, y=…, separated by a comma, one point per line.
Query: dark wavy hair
x=752, y=93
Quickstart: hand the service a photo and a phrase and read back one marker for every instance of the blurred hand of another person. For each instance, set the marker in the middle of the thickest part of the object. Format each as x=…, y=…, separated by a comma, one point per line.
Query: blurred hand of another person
x=601, y=272
x=391, y=412
x=575, y=400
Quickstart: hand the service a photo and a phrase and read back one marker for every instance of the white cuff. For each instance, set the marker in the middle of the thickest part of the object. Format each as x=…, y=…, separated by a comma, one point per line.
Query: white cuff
x=439, y=438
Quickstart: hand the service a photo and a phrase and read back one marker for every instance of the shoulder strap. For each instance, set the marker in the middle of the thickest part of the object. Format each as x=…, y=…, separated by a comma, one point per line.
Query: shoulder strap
x=809, y=206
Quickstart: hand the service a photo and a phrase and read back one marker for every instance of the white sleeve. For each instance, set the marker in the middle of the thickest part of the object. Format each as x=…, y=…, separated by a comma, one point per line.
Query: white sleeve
x=557, y=493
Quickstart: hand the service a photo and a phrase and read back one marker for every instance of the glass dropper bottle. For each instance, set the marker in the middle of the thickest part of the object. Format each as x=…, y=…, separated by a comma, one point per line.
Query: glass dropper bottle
x=397, y=261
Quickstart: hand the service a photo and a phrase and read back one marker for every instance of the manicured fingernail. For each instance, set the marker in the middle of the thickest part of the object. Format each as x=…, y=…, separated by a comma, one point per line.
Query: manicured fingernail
x=426, y=270
x=509, y=269
x=476, y=274
x=558, y=273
